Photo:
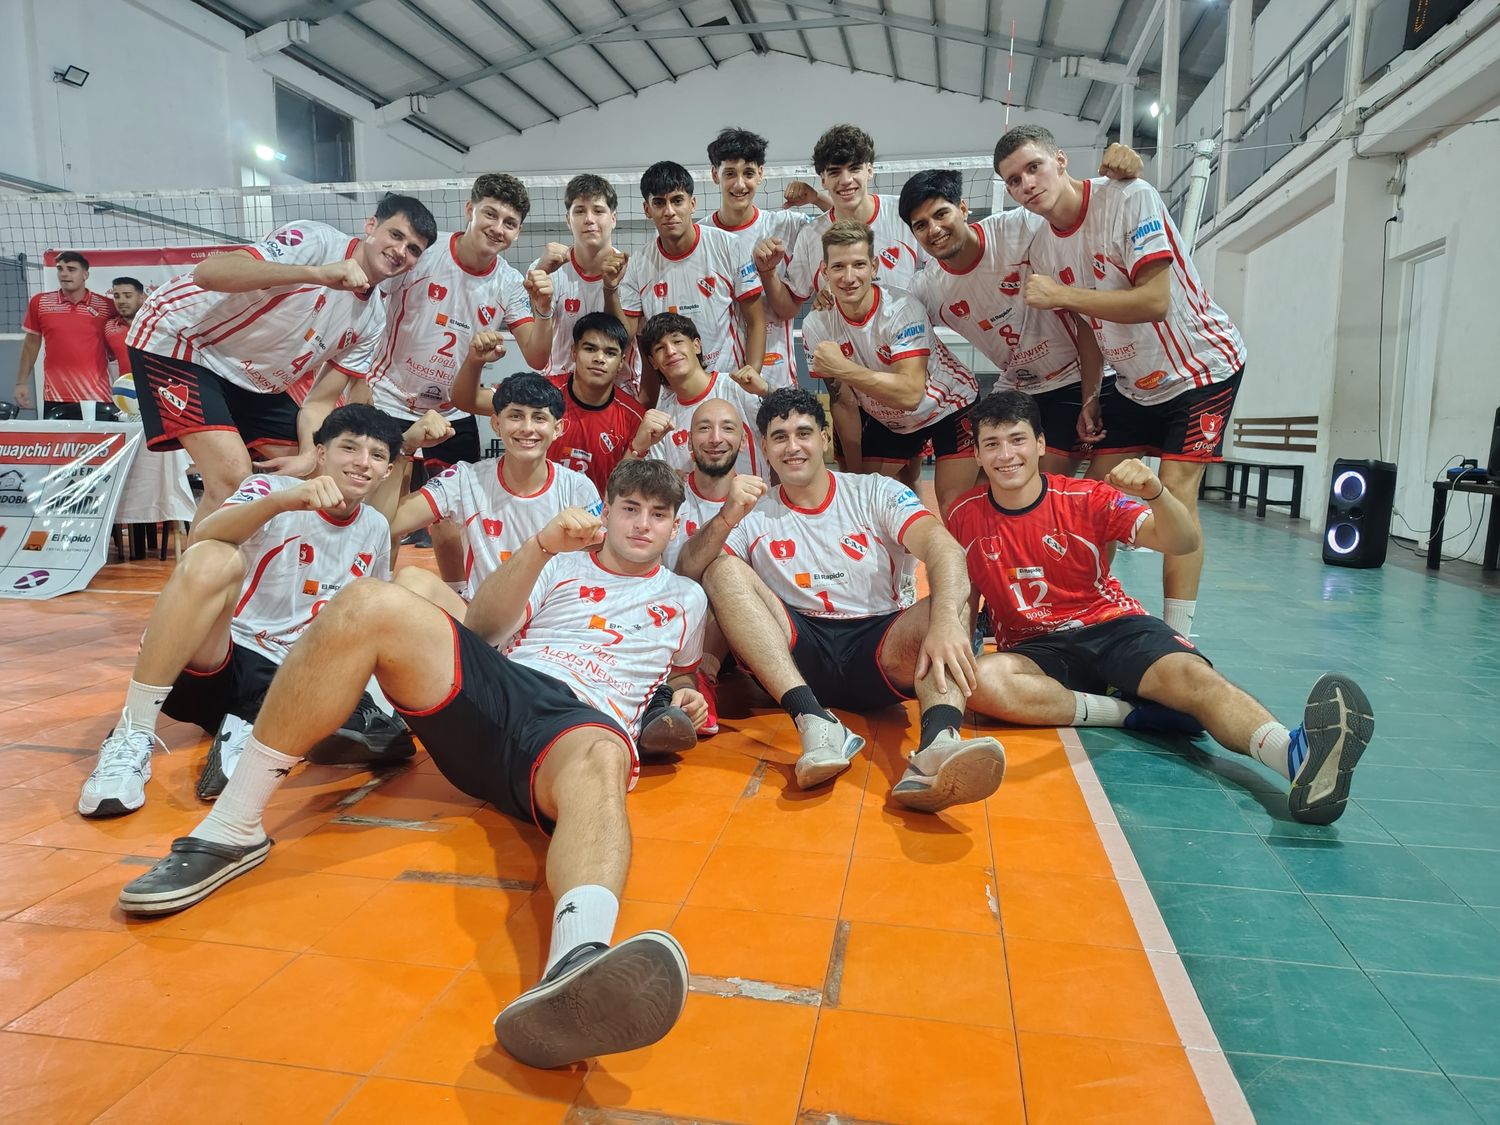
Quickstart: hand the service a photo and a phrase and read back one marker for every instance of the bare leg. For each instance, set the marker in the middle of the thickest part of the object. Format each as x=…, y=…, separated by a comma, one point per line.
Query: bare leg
x=1180, y=573
x=448, y=549
x=754, y=623
x=953, y=477
x=1187, y=683
x=1013, y=688
x=848, y=425
x=1101, y=464
x=222, y=460
x=581, y=786
x=427, y=585
x=1058, y=464
x=189, y=625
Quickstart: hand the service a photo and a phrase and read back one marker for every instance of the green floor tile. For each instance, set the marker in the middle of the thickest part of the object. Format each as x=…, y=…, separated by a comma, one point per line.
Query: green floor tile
x=1490, y=914
x=1265, y=810
x=1140, y=767
x=1303, y=1092
x=1459, y=752
x=1379, y=782
x=1413, y=937
x=1483, y=1095
x=1453, y=826
x=1302, y=1011
x=1169, y=806
x=1226, y=859
x=1236, y=922
x=1455, y=1018
x=1366, y=870
x=1474, y=874
x=1470, y=787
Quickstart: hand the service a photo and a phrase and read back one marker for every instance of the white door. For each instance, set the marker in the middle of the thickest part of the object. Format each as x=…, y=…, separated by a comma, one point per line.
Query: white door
x=1418, y=336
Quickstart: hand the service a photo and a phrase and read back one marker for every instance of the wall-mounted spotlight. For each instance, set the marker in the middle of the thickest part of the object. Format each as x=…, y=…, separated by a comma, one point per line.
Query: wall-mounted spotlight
x=266, y=152
x=71, y=76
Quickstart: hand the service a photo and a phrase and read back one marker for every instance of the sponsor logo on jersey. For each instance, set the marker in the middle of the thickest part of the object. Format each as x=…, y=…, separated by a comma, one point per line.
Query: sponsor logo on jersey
x=661, y=614
x=1028, y=572
x=310, y=588
x=309, y=334
x=361, y=565
x=1143, y=232
x=304, y=554
x=591, y=593
x=31, y=580
x=847, y=348
x=706, y=285
x=492, y=528
x=805, y=580
x=436, y=292
x=1056, y=543
x=1010, y=284
x=570, y=305
x=855, y=546
x=959, y=308
x=1150, y=382
x=1099, y=266
x=289, y=237
x=890, y=256
x=486, y=313
x=910, y=331
x=783, y=548
x=1066, y=275
x=175, y=396
x=597, y=622
x=660, y=289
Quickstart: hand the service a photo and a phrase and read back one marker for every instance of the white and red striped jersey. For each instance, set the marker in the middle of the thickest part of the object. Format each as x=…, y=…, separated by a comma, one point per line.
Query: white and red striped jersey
x=844, y=558
x=296, y=561
x=897, y=252
x=75, y=365
x=267, y=339
x=780, y=366
x=896, y=328
x=1123, y=226
x=496, y=521
x=675, y=446
x=576, y=294
x=435, y=309
x=612, y=638
x=1045, y=567
x=1032, y=349
x=703, y=284
x=697, y=509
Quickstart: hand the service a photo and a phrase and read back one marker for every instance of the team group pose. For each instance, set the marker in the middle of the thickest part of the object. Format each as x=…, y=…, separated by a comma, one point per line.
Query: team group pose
x=664, y=511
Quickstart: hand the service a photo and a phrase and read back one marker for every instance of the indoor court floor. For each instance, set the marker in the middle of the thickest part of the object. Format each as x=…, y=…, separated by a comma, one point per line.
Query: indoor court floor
x=1130, y=930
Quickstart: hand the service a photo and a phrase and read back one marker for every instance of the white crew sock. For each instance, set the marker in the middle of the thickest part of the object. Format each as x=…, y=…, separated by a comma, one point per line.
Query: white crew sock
x=143, y=706
x=1179, y=614
x=584, y=914
x=1268, y=746
x=1099, y=710
x=235, y=818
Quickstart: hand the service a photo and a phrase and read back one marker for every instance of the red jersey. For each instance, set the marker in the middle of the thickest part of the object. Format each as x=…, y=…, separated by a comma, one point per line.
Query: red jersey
x=75, y=366
x=594, y=439
x=1043, y=568
x=115, y=331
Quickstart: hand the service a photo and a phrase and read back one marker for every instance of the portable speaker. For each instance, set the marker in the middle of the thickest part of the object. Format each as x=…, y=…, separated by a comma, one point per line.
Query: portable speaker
x=1359, y=513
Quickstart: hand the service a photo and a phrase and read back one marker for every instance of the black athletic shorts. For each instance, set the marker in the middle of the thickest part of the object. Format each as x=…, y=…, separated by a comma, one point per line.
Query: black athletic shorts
x=951, y=436
x=238, y=686
x=462, y=446
x=1060, y=409
x=1189, y=427
x=177, y=398
x=839, y=657
x=492, y=732
x=1114, y=653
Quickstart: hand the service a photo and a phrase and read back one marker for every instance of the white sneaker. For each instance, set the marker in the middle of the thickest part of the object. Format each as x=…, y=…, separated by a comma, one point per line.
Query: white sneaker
x=951, y=771
x=228, y=745
x=827, y=748
x=118, y=784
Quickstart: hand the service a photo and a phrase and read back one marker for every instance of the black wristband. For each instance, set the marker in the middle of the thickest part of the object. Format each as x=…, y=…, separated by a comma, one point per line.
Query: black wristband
x=1158, y=496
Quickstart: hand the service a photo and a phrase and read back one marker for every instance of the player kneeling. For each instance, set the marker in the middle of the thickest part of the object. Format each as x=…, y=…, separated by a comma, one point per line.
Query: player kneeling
x=1036, y=547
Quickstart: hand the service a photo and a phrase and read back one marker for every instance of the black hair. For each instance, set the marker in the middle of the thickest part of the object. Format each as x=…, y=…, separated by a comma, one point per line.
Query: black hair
x=1004, y=408
x=605, y=324
x=935, y=183
x=1021, y=136
x=783, y=402
x=527, y=388
x=737, y=144
x=423, y=225
x=71, y=256
x=663, y=178
x=502, y=188
x=133, y=281
x=361, y=420
x=843, y=144
x=586, y=185
x=650, y=480
x=662, y=325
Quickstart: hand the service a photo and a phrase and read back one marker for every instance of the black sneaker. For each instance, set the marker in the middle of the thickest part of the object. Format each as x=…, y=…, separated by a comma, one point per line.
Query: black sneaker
x=598, y=1000
x=368, y=737
x=665, y=729
x=193, y=870
x=420, y=538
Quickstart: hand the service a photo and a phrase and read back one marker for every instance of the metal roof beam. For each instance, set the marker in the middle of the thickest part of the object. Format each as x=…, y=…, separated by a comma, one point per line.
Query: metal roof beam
x=1035, y=69
x=636, y=35
x=598, y=54
x=1132, y=65
x=952, y=32
x=984, y=52
x=802, y=35
x=743, y=13
x=890, y=40
x=504, y=25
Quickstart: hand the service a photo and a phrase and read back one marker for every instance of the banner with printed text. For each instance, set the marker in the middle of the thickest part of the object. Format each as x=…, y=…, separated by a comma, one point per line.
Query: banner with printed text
x=60, y=483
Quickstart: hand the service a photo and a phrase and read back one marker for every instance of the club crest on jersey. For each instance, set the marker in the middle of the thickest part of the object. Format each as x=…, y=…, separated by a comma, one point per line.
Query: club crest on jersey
x=304, y=554
x=959, y=308
x=289, y=237
x=571, y=304
x=608, y=441
x=493, y=528
x=847, y=348
x=348, y=339
x=706, y=285
x=680, y=437
x=883, y=353
x=989, y=547
x=175, y=395
x=783, y=548
x=1066, y=275
x=1010, y=284
x=486, y=313
x=436, y=292
x=591, y=593
x=661, y=614
x=890, y=256
x=320, y=302
x=1056, y=544
x=362, y=563
x=691, y=528
x=1099, y=266
x=1210, y=425
x=855, y=546
x=660, y=289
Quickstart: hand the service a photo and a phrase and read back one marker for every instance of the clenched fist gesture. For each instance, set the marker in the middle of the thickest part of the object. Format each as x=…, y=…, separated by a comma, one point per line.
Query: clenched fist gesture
x=1135, y=478
x=829, y=361
x=345, y=274
x=430, y=429
x=538, y=285
x=655, y=425
x=745, y=492
x=487, y=347
x=572, y=529
x=769, y=253
x=613, y=268
x=1043, y=292
x=554, y=254
x=320, y=494
x=799, y=193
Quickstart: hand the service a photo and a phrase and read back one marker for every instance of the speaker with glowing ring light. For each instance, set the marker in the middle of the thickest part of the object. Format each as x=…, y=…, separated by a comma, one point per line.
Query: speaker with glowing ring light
x=1359, y=513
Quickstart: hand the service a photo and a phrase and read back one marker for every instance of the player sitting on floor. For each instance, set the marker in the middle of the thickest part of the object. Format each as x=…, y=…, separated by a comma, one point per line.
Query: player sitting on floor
x=1067, y=629
x=545, y=732
x=805, y=582
x=258, y=571
x=499, y=503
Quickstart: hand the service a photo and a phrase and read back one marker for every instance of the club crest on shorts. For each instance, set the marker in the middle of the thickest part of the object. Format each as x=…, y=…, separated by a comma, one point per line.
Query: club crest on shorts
x=174, y=396
x=1210, y=425
x=436, y=292
x=1056, y=543
x=856, y=546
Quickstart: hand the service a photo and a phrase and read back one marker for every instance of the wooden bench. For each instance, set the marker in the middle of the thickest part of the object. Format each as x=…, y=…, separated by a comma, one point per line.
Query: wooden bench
x=1285, y=435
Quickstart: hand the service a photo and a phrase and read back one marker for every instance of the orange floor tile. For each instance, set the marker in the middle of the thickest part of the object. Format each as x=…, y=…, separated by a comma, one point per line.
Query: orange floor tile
x=851, y=960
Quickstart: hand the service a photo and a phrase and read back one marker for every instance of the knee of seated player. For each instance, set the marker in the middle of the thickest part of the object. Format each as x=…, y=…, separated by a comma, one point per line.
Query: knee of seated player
x=1002, y=681
x=208, y=567
x=367, y=604
x=581, y=774
x=1181, y=680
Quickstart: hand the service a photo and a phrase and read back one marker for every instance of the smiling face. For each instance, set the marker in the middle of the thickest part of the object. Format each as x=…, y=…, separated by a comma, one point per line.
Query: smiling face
x=1010, y=455
x=673, y=214
x=1035, y=178
x=525, y=431
x=676, y=356
x=356, y=463
x=848, y=184
x=715, y=436
x=795, y=446
x=637, y=529
x=849, y=270
x=941, y=227
x=592, y=223
x=738, y=181
x=390, y=248
x=493, y=225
